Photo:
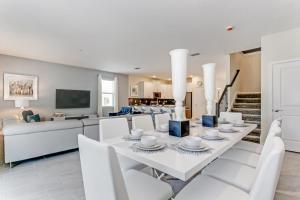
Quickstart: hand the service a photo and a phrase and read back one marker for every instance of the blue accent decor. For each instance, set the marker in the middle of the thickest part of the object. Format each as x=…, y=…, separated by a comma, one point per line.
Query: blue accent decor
x=124, y=111
x=209, y=120
x=179, y=128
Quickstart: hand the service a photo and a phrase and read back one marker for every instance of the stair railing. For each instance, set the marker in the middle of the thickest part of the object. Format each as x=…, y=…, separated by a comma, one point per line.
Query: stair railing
x=222, y=104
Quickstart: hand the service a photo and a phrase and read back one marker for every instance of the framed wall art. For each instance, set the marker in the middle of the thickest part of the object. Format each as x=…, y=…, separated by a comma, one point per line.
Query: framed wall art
x=20, y=87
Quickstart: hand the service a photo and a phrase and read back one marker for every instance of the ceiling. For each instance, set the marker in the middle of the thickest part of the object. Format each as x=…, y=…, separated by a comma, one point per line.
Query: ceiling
x=119, y=35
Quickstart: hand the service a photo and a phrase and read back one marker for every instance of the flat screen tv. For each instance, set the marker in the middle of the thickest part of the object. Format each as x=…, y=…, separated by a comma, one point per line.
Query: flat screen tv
x=72, y=99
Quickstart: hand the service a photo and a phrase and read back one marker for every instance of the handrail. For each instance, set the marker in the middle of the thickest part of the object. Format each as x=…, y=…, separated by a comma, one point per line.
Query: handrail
x=225, y=90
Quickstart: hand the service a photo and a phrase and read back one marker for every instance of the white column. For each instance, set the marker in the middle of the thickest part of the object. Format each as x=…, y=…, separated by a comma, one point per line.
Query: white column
x=179, y=68
x=209, y=77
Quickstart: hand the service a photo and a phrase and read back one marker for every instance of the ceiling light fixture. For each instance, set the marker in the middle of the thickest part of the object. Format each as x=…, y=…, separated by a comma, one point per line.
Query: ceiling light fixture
x=137, y=68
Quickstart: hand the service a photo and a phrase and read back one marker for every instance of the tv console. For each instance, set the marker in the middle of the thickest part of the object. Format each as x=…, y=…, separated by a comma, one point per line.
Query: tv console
x=79, y=117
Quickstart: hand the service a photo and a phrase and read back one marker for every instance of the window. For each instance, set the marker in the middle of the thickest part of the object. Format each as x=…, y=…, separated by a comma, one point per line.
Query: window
x=108, y=93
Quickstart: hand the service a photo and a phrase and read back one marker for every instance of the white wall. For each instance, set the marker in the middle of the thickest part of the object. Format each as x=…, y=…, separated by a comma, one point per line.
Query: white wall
x=55, y=76
x=275, y=47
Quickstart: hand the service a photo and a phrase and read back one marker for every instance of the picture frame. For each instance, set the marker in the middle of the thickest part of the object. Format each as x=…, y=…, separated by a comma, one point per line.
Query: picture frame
x=134, y=90
x=20, y=87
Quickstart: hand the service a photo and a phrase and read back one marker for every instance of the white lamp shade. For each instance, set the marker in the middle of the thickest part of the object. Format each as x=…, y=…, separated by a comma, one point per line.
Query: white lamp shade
x=21, y=103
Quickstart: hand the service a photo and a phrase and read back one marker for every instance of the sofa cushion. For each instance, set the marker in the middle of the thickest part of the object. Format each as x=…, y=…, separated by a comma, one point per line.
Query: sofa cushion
x=6, y=122
x=27, y=128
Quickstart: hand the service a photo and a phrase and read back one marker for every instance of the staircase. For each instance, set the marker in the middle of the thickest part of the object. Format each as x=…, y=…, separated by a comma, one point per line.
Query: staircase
x=249, y=104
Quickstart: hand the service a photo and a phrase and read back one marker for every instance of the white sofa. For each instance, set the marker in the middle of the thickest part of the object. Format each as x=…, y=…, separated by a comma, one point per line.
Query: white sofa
x=28, y=140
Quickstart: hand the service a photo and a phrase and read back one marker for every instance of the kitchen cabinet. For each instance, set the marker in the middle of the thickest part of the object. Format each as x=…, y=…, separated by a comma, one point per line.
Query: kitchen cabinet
x=145, y=89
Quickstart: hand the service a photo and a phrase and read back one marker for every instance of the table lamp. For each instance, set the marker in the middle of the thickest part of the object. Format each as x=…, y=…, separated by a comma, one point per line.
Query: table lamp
x=22, y=104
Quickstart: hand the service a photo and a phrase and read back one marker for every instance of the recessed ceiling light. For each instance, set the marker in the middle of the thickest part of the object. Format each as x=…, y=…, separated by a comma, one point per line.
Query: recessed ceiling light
x=137, y=68
x=229, y=28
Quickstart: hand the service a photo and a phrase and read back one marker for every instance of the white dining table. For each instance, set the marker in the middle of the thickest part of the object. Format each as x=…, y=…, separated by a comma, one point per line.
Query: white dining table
x=176, y=163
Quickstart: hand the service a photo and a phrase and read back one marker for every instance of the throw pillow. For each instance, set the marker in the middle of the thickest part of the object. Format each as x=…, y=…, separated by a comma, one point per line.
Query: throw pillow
x=25, y=113
x=33, y=118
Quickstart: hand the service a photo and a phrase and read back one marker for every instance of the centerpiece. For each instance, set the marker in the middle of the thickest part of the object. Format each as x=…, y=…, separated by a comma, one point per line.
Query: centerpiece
x=179, y=126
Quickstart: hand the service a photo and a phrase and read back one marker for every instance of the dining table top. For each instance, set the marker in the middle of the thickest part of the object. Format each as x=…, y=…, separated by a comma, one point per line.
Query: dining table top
x=180, y=164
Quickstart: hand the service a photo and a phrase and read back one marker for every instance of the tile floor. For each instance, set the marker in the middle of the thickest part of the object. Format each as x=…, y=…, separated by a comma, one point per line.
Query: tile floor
x=59, y=177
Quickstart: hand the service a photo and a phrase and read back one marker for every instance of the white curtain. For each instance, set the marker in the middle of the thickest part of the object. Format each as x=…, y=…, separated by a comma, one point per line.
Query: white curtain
x=116, y=96
x=100, y=95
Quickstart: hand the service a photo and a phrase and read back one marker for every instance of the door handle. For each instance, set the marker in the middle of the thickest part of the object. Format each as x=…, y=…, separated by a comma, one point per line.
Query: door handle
x=277, y=110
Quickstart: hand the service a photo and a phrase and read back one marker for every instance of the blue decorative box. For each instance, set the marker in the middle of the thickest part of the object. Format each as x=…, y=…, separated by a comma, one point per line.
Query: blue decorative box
x=209, y=120
x=179, y=128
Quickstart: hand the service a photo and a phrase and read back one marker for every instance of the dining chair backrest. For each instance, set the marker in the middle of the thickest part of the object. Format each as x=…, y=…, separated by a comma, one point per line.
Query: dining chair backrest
x=276, y=122
x=144, y=122
x=274, y=132
x=161, y=119
x=231, y=116
x=264, y=186
x=113, y=127
x=101, y=173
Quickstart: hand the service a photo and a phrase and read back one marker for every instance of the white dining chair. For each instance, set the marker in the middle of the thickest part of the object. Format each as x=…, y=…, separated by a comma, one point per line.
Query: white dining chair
x=262, y=187
x=144, y=122
x=243, y=176
x=254, y=147
x=103, y=179
x=118, y=127
x=249, y=158
x=161, y=119
x=232, y=117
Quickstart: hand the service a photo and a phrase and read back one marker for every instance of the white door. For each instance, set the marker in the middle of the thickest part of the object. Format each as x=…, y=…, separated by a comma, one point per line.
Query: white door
x=286, y=101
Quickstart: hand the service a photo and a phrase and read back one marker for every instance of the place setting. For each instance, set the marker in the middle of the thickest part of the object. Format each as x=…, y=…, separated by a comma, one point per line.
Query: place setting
x=240, y=123
x=191, y=144
x=212, y=134
x=163, y=128
x=149, y=143
x=227, y=128
x=135, y=135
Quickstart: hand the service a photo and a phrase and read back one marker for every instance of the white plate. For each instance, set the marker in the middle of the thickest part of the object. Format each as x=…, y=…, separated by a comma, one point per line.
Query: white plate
x=131, y=137
x=224, y=122
x=240, y=125
x=202, y=146
x=164, y=131
x=193, y=149
x=156, y=147
x=228, y=130
x=207, y=137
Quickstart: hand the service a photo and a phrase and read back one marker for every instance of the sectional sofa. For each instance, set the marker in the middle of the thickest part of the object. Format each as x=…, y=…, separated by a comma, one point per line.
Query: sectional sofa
x=29, y=140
